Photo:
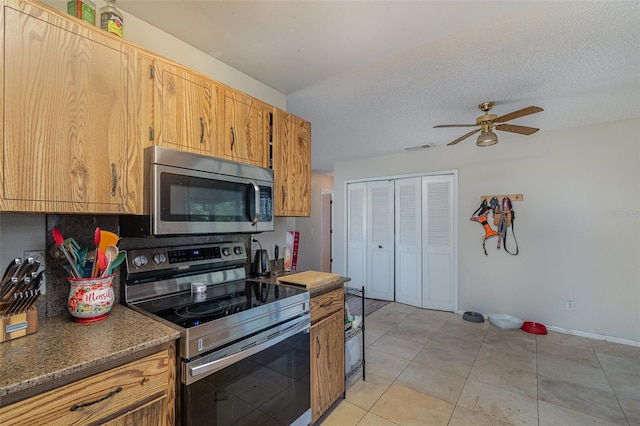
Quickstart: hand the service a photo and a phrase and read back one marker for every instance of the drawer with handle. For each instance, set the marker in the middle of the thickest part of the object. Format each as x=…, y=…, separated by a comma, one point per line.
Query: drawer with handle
x=95, y=399
x=326, y=304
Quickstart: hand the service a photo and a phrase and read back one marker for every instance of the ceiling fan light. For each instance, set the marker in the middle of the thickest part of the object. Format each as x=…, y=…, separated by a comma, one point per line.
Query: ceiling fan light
x=487, y=139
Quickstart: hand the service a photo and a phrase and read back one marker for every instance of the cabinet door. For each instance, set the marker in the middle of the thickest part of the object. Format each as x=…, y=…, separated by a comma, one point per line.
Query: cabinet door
x=66, y=116
x=152, y=414
x=186, y=107
x=292, y=165
x=327, y=363
x=111, y=394
x=247, y=129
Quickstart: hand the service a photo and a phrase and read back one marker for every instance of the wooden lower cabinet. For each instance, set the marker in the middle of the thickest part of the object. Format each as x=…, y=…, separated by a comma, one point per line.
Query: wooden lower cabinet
x=141, y=392
x=327, y=362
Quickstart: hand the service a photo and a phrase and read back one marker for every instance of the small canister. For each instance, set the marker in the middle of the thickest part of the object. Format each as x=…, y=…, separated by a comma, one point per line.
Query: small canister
x=199, y=291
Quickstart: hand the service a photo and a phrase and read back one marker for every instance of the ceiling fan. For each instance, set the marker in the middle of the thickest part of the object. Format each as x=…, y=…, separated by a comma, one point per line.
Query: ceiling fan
x=488, y=121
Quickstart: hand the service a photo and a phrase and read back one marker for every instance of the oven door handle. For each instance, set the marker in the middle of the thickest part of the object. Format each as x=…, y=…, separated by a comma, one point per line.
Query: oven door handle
x=251, y=348
x=256, y=190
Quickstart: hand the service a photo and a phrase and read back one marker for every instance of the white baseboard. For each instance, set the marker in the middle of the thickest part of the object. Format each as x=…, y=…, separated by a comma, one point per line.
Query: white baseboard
x=594, y=336
x=583, y=334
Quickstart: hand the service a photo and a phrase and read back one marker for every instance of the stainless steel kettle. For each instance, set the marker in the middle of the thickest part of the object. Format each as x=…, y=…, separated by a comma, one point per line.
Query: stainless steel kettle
x=260, y=266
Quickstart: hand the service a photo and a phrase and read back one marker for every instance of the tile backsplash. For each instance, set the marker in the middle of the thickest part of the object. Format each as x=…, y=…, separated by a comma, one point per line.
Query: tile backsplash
x=27, y=231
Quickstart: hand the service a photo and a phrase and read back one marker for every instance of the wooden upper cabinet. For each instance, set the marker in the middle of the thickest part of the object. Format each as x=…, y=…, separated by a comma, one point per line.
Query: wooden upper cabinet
x=68, y=118
x=247, y=129
x=291, y=165
x=186, y=109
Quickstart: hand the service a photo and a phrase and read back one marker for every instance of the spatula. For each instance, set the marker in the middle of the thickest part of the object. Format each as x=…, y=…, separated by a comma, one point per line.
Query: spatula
x=107, y=239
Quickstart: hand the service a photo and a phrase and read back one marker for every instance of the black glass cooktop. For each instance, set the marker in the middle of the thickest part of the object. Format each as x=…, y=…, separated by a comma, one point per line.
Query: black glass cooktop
x=192, y=309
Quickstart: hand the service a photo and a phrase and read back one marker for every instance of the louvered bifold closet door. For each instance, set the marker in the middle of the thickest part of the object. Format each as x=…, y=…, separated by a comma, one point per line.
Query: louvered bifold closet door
x=438, y=260
x=356, y=234
x=380, y=240
x=408, y=206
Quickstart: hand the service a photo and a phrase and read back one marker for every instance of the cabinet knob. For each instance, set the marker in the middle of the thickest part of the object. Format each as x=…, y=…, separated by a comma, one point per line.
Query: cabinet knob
x=379, y=246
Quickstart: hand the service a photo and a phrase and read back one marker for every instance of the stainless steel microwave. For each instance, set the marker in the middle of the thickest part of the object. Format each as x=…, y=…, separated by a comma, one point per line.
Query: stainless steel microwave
x=188, y=193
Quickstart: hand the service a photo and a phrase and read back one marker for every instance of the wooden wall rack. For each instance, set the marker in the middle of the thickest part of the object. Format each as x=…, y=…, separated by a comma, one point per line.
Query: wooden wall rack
x=513, y=197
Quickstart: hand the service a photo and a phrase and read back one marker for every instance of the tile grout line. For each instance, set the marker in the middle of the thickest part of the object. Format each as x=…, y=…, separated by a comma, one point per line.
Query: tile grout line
x=609, y=381
x=467, y=376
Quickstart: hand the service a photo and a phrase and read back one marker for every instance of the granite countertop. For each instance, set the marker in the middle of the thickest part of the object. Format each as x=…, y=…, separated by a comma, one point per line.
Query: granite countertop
x=273, y=279
x=61, y=347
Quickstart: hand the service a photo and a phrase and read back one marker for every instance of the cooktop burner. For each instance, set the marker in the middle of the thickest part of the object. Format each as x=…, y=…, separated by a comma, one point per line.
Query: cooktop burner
x=221, y=300
x=202, y=309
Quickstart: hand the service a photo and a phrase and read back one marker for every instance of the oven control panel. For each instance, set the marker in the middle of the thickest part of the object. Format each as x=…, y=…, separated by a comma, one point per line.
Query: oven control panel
x=181, y=258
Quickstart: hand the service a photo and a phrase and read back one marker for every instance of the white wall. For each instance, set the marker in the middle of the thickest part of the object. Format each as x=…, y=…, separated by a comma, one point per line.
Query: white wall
x=161, y=43
x=310, y=228
x=578, y=227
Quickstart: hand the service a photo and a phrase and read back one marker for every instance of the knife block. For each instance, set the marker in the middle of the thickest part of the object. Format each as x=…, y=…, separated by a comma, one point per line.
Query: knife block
x=18, y=325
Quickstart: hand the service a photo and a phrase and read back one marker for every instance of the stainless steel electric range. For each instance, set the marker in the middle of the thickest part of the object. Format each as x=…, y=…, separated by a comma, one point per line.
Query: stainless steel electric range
x=244, y=345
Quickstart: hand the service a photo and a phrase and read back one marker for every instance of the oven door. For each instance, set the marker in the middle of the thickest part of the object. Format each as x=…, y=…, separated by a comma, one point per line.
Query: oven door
x=263, y=379
x=195, y=202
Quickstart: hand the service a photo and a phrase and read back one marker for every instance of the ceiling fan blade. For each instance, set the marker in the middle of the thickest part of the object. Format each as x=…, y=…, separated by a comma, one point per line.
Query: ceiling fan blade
x=517, y=114
x=455, y=125
x=463, y=137
x=523, y=130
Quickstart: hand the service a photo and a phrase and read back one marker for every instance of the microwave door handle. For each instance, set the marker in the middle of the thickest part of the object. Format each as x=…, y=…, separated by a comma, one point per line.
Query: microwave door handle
x=256, y=190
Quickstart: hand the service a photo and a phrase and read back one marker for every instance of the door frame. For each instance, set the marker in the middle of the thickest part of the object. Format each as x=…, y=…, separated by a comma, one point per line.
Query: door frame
x=324, y=192
x=454, y=173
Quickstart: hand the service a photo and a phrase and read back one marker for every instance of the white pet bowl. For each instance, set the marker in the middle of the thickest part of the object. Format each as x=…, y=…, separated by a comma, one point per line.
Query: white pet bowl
x=505, y=321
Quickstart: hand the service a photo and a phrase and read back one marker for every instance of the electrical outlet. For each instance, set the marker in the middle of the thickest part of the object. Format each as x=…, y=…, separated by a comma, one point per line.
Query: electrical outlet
x=38, y=254
x=570, y=306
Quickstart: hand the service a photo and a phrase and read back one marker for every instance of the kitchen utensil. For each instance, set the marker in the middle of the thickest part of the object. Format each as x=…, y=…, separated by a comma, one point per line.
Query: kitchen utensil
x=96, y=240
x=102, y=262
x=115, y=263
x=57, y=237
x=9, y=273
x=25, y=268
x=107, y=238
x=111, y=255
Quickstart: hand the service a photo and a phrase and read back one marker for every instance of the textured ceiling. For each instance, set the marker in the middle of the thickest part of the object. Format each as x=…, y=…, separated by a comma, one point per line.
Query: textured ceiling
x=375, y=77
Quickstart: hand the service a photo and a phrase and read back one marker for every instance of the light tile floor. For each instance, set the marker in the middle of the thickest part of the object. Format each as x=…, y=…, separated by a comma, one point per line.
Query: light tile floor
x=433, y=368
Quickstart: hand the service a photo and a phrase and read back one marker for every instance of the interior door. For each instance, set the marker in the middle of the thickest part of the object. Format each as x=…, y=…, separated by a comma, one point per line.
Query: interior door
x=380, y=240
x=356, y=234
x=439, y=288
x=408, y=262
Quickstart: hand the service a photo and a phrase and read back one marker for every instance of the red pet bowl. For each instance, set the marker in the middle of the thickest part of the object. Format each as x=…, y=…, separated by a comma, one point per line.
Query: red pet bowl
x=534, y=327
